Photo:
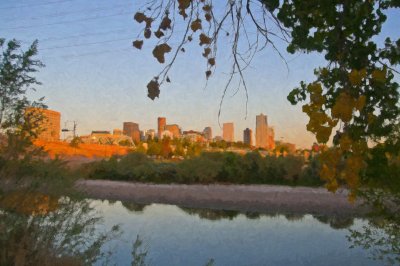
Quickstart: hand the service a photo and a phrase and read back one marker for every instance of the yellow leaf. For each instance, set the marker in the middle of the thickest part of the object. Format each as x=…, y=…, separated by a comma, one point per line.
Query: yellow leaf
x=343, y=108
x=315, y=88
x=323, y=134
x=360, y=103
x=379, y=75
x=345, y=142
x=355, y=78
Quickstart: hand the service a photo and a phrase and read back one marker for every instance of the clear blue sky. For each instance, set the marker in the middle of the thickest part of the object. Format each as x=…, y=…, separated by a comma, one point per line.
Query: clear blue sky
x=94, y=76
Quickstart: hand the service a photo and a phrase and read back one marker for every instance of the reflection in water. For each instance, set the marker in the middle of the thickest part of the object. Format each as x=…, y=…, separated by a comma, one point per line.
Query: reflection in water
x=381, y=237
x=336, y=222
x=39, y=229
x=48, y=230
x=212, y=215
x=134, y=207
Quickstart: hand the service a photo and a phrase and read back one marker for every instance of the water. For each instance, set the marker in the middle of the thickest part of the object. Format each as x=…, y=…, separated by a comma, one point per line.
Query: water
x=178, y=236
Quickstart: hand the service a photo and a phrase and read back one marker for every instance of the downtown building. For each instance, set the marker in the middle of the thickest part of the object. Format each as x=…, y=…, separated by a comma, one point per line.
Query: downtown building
x=248, y=136
x=228, y=132
x=265, y=135
x=49, y=125
x=131, y=129
x=207, y=133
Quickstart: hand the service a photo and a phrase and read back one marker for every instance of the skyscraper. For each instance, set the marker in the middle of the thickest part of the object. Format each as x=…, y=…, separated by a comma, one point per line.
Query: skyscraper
x=271, y=138
x=227, y=132
x=248, y=136
x=261, y=131
x=132, y=130
x=207, y=133
x=161, y=122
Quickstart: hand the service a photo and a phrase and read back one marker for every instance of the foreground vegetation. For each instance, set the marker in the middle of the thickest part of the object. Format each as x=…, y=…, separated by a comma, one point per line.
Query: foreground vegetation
x=209, y=167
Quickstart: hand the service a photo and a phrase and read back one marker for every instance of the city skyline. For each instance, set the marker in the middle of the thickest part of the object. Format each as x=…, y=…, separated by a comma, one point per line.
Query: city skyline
x=100, y=87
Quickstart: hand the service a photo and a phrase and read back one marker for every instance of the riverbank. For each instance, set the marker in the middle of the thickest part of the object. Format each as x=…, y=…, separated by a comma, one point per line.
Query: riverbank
x=243, y=198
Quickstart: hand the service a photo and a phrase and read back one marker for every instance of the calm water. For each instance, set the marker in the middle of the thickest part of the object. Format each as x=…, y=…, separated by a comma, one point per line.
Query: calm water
x=178, y=236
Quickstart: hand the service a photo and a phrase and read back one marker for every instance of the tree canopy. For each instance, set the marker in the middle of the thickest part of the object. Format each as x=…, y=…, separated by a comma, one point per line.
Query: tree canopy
x=354, y=99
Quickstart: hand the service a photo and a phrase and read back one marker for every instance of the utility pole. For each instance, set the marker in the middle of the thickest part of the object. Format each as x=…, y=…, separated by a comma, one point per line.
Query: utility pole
x=73, y=130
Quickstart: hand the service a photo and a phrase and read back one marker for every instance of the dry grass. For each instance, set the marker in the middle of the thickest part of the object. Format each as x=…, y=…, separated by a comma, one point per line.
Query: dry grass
x=87, y=150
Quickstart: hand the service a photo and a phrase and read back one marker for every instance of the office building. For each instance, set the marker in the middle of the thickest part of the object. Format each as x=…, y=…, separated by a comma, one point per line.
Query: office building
x=228, y=132
x=207, y=132
x=131, y=129
x=161, y=123
x=49, y=125
x=248, y=136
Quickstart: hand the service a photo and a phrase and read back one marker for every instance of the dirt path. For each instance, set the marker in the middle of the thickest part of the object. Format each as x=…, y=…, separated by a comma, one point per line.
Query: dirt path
x=254, y=198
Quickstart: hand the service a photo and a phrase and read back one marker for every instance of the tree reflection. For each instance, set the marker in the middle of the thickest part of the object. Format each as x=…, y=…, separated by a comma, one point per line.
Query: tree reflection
x=213, y=215
x=336, y=222
x=381, y=236
x=134, y=207
x=39, y=229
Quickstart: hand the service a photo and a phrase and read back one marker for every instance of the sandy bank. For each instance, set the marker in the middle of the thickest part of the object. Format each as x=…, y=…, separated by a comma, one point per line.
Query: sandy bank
x=246, y=198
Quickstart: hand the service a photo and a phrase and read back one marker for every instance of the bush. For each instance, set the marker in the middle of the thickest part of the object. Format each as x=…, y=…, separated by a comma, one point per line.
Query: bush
x=210, y=167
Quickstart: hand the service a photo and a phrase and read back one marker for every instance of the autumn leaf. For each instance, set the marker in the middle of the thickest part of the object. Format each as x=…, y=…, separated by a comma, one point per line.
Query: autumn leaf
x=147, y=33
x=323, y=134
x=139, y=17
x=207, y=51
x=208, y=17
x=183, y=4
x=343, y=108
x=379, y=75
x=153, y=89
x=168, y=80
x=204, y=39
x=190, y=38
x=356, y=76
x=360, y=103
x=208, y=73
x=138, y=44
x=160, y=50
x=211, y=61
x=165, y=23
x=345, y=142
x=196, y=25
x=207, y=8
x=159, y=34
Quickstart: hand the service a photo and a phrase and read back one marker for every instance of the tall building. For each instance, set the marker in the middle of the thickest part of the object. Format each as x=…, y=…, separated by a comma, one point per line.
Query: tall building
x=161, y=122
x=131, y=129
x=248, y=136
x=207, y=132
x=261, y=131
x=271, y=138
x=174, y=129
x=227, y=132
x=50, y=124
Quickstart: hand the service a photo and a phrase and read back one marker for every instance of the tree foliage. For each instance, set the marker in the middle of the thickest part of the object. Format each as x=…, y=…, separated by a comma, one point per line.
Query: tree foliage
x=354, y=99
x=16, y=79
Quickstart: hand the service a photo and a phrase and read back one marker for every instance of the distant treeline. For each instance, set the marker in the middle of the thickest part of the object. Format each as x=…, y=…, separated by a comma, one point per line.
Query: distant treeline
x=209, y=167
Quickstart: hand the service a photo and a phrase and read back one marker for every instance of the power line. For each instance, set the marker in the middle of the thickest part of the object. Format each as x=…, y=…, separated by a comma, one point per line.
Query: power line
x=65, y=22
x=84, y=44
x=55, y=15
x=82, y=35
x=69, y=56
x=39, y=4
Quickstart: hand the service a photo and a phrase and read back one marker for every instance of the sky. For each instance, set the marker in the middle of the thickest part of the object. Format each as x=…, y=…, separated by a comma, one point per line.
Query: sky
x=94, y=76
